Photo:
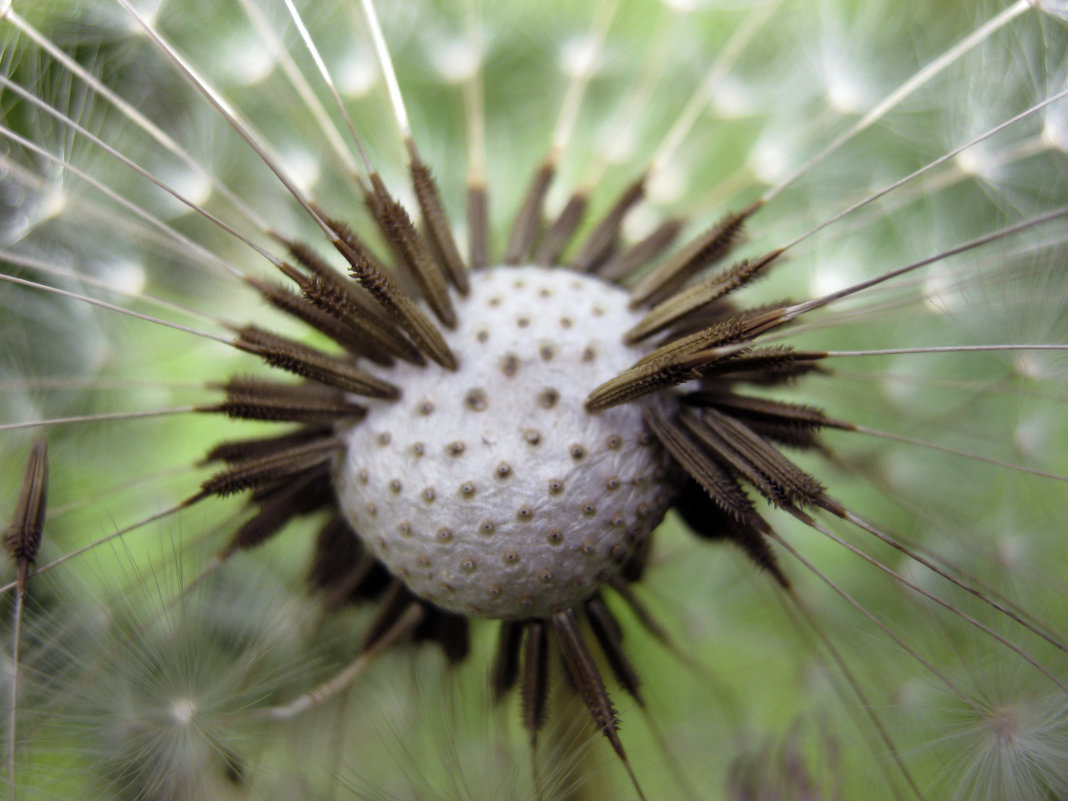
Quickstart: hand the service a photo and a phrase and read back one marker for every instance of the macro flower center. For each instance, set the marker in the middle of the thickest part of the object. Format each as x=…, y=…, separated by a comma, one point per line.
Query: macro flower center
x=491, y=490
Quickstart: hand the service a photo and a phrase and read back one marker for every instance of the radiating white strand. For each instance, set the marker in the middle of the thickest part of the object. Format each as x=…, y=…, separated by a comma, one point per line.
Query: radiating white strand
x=203, y=255
x=1036, y=628
x=301, y=86
x=331, y=687
x=109, y=537
x=916, y=286
x=625, y=120
x=726, y=59
x=50, y=269
x=166, y=236
x=929, y=166
x=943, y=349
x=474, y=104
x=396, y=99
x=242, y=127
x=874, y=432
x=947, y=175
x=792, y=312
x=94, y=418
x=135, y=116
x=112, y=307
x=921, y=77
x=870, y=616
x=936, y=599
x=136, y=168
x=328, y=80
x=576, y=89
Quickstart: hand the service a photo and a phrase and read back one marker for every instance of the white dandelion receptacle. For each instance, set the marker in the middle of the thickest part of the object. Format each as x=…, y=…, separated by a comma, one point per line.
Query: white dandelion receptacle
x=491, y=489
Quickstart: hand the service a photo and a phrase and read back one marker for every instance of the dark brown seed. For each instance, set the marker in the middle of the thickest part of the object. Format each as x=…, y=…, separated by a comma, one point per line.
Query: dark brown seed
x=597, y=247
x=527, y=221
x=259, y=472
x=787, y=423
x=337, y=551
x=319, y=266
x=295, y=497
x=535, y=689
x=644, y=379
x=685, y=358
x=23, y=537
x=737, y=328
x=412, y=252
x=586, y=678
x=447, y=629
x=253, y=399
x=606, y=629
x=350, y=302
x=437, y=224
x=243, y=450
x=398, y=305
x=701, y=252
x=306, y=311
x=313, y=364
x=477, y=226
x=699, y=296
x=772, y=365
x=506, y=663
x=715, y=479
x=621, y=265
x=562, y=229
x=775, y=476
x=709, y=521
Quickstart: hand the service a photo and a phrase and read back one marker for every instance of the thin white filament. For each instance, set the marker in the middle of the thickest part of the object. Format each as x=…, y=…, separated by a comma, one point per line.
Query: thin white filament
x=902, y=92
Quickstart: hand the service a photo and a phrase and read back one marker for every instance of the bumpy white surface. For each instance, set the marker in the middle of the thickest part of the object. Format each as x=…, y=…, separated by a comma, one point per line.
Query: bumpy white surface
x=491, y=490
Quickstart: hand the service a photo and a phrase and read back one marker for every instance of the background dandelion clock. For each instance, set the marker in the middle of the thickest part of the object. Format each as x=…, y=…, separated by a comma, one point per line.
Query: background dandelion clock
x=538, y=401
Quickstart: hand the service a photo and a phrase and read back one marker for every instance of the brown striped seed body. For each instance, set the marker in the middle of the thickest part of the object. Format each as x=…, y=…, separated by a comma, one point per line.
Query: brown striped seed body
x=583, y=474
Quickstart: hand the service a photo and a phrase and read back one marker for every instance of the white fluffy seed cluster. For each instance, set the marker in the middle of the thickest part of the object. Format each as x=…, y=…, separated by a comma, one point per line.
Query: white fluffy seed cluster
x=491, y=490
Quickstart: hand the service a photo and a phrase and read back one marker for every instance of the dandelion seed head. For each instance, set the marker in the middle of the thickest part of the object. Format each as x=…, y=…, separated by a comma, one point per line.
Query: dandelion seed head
x=640, y=222
x=127, y=276
x=569, y=494
x=490, y=515
x=942, y=292
x=1012, y=550
x=845, y=94
x=246, y=61
x=356, y=73
x=836, y=271
x=1055, y=131
x=731, y=98
x=1030, y=365
x=579, y=56
x=979, y=162
x=667, y=184
x=455, y=59
x=183, y=710
x=303, y=167
x=52, y=204
x=769, y=160
x=194, y=186
x=1011, y=747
